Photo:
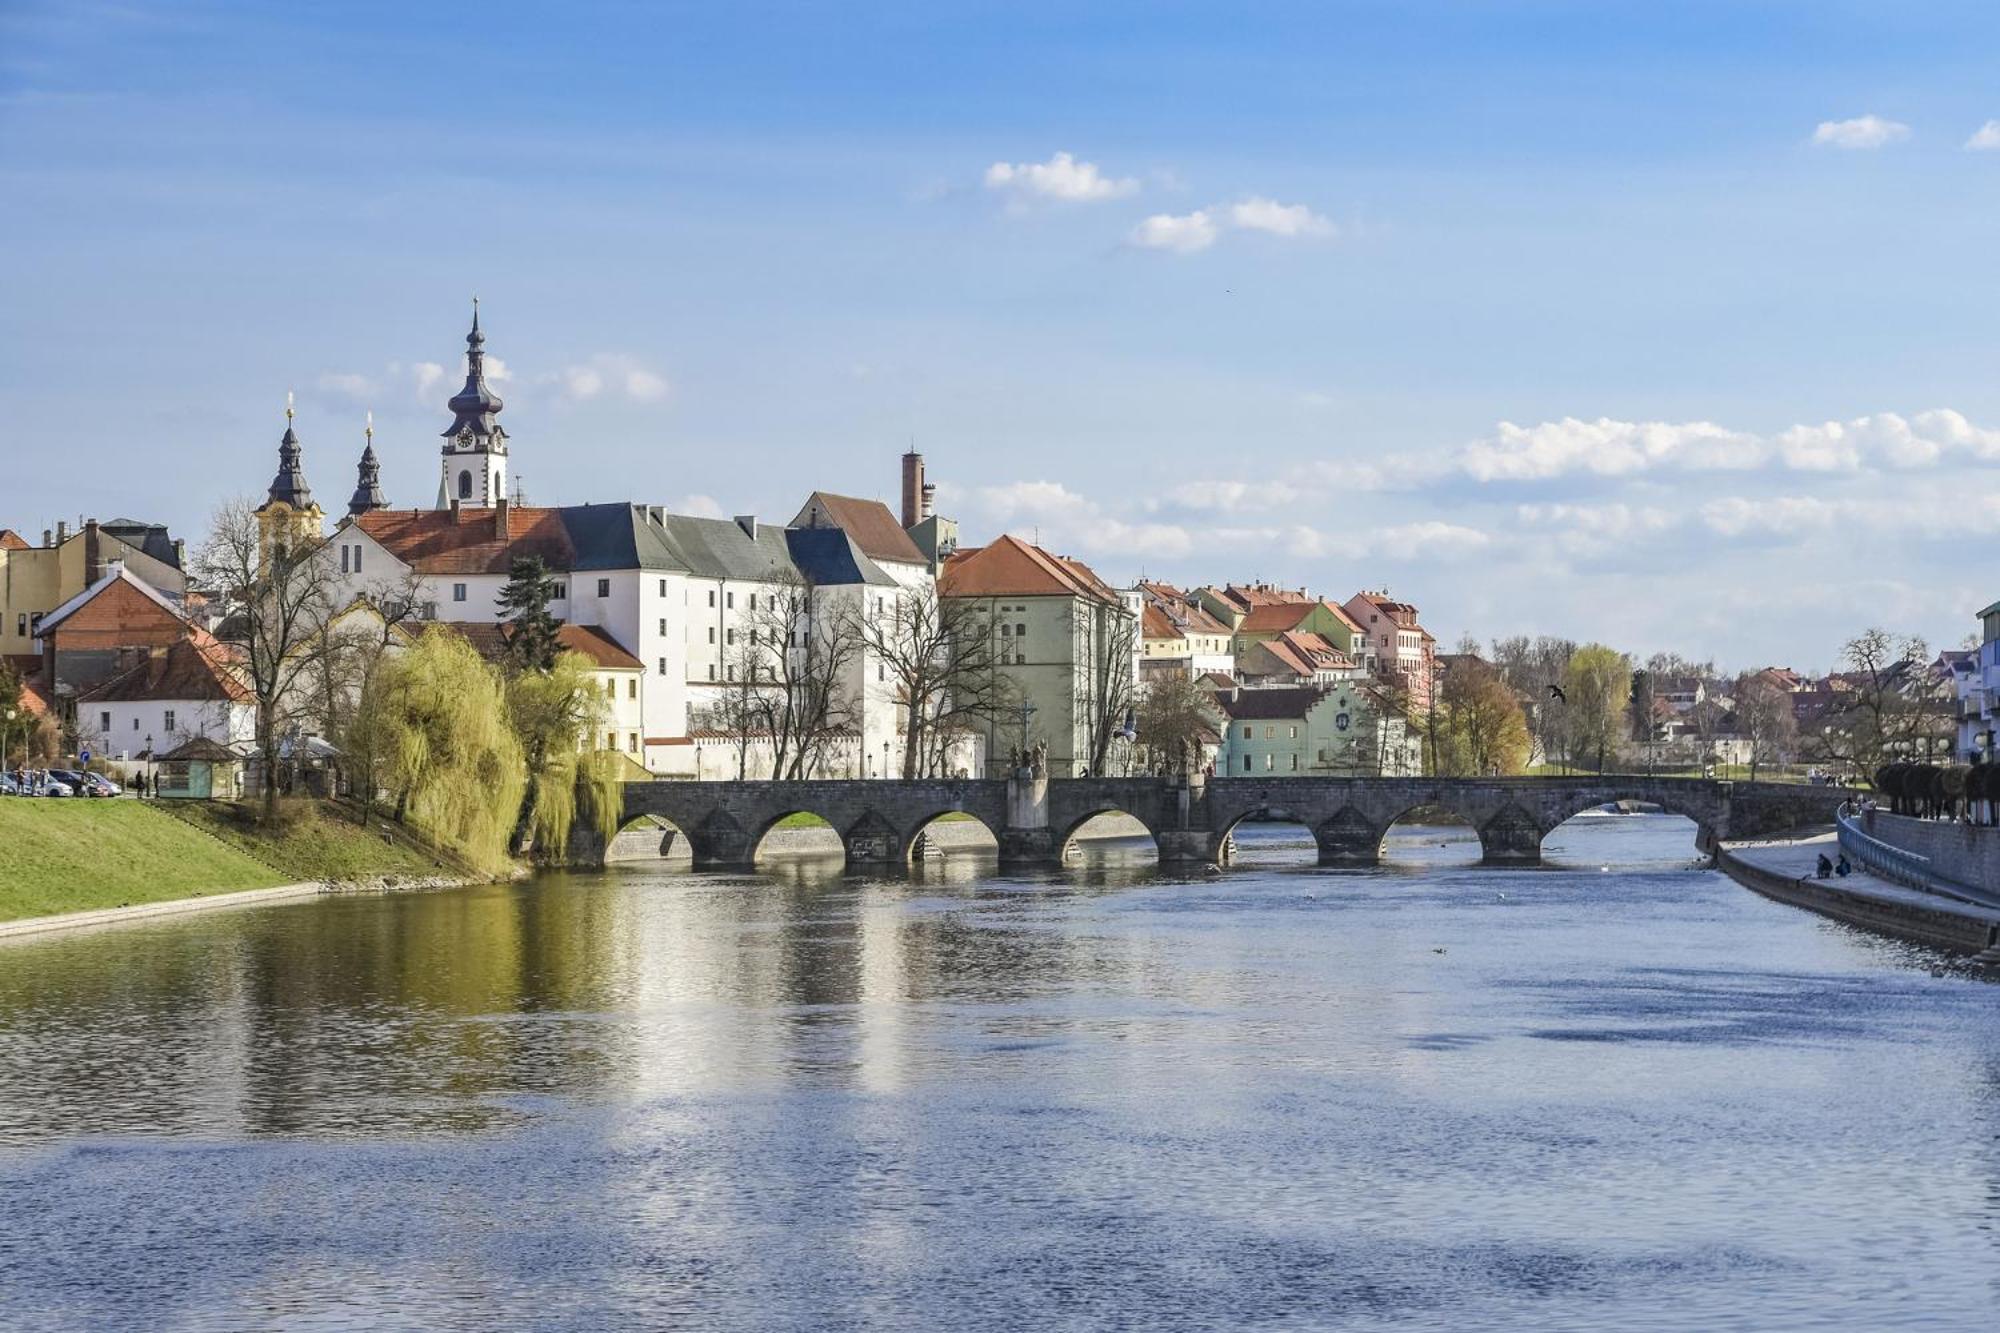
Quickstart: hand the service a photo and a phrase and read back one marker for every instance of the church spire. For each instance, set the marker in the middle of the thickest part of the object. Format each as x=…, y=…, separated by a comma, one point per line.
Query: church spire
x=475, y=406
x=368, y=488
x=289, y=486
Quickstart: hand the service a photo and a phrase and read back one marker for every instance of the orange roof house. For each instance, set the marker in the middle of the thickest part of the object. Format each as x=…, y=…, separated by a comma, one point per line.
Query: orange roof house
x=1010, y=567
x=469, y=541
x=868, y=522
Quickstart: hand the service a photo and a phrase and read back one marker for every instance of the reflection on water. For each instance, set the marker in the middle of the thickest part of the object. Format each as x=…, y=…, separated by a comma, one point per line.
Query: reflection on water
x=1617, y=1093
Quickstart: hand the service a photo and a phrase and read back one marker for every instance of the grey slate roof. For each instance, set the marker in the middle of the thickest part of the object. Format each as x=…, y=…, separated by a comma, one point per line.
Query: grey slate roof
x=829, y=557
x=629, y=536
x=150, y=538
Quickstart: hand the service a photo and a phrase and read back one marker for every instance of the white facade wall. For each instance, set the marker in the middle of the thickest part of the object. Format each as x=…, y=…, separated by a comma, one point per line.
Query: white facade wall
x=118, y=730
x=684, y=629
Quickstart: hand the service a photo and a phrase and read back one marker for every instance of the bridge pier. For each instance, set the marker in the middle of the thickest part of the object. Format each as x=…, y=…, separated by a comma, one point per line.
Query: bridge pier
x=1349, y=839
x=1511, y=838
x=1189, y=847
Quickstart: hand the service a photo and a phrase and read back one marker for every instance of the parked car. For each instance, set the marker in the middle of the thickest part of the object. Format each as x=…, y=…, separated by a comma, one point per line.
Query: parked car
x=53, y=787
x=9, y=787
x=84, y=784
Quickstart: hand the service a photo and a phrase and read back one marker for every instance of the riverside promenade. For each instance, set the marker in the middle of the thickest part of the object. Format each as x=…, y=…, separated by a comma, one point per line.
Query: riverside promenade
x=1785, y=869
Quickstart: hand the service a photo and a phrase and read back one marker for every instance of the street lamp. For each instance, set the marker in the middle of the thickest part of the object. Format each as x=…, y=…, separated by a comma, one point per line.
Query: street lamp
x=885, y=758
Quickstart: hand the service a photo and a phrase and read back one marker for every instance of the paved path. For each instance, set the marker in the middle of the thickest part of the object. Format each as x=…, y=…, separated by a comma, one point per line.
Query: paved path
x=117, y=916
x=1798, y=858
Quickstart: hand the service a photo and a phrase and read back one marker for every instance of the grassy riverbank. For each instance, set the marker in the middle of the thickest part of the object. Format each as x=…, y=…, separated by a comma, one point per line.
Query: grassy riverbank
x=77, y=855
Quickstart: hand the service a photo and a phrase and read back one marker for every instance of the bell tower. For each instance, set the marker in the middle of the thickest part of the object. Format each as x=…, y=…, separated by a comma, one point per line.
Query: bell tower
x=289, y=518
x=475, y=444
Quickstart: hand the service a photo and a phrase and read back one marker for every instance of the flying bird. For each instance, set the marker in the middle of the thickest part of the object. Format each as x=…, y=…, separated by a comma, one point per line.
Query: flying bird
x=1556, y=693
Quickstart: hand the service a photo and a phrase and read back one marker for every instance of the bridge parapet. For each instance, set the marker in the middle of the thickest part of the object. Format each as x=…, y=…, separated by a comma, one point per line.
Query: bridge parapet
x=1035, y=819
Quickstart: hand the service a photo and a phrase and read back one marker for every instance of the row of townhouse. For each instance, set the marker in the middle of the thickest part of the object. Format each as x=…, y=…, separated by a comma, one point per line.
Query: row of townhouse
x=1301, y=684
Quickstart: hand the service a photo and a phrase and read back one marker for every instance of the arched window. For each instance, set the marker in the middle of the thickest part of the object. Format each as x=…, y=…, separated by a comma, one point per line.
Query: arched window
x=465, y=485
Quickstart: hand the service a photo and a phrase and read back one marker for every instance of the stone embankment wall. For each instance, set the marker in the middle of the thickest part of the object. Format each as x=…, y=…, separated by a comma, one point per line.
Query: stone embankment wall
x=1949, y=926
x=1967, y=854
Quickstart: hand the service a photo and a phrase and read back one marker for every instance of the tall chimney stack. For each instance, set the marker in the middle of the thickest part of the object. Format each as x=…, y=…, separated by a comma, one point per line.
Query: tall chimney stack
x=913, y=489
x=93, y=555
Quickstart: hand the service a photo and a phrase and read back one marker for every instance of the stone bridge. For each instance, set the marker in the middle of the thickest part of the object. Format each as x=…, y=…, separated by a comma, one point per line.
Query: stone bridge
x=1035, y=820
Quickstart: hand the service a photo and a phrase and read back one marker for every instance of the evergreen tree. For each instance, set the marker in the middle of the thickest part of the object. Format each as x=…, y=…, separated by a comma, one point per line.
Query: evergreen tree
x=530, y=629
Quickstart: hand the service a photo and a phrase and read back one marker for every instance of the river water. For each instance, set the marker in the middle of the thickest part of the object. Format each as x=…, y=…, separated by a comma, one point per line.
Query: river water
x=1619, y=1094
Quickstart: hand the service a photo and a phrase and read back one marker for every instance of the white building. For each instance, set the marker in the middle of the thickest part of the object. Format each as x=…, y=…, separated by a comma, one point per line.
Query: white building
x=175, y=694
x=695, y=602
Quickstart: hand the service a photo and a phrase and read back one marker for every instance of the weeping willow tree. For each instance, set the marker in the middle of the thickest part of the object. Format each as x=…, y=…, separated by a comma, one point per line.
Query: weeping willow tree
x=555, y=715
x=436, y=716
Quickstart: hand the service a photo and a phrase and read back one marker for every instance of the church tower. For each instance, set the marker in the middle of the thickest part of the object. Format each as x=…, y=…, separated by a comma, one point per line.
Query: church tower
x=475, y=445
x=368, y=485
x=289, y=518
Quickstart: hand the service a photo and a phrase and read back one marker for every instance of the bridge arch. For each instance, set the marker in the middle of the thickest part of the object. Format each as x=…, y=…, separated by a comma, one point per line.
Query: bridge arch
x=1508, y=841
x=648, y=837
x=924, y=836
x=1067, y=833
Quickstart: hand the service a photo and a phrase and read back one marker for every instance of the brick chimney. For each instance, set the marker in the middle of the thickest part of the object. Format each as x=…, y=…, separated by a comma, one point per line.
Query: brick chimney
x=93, y=556
x=913, y=489
x=500, y=518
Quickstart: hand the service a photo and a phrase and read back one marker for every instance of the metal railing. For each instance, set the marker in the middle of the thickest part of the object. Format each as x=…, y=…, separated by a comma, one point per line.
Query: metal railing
x=1900, y=866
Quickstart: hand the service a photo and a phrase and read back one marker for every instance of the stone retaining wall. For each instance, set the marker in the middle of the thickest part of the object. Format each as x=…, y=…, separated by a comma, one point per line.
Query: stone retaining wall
x=1967, y=854
x=1958, y=930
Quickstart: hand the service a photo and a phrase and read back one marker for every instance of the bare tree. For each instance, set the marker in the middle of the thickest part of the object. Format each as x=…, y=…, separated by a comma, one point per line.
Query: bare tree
x=807, y=641
x=942, y=656
x=747, y=708
x=279, y=596
x=1889, y=707
x=1109, y=633
x=1764, y=718
x=1175, y=719
x=1530, y=667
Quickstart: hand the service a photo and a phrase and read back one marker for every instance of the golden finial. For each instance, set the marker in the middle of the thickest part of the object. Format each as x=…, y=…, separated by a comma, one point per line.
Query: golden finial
x=288, y=407
x=370, y=430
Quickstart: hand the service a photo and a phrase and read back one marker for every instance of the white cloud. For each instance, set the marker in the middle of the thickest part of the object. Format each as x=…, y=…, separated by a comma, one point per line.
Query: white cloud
x=1605, y=447
x=644, y=386
x=1183, y=233
x=1430, y=537
x=358, y=387
x=1861, y=132
x=1886, y=437
x=1061, y=178
x=613, y=373
x=497, y=370
x=1774, y=516
x=426, y=375
x=698, y=506
x=1986, y=138
x=1588, y=530
x=1268, y=215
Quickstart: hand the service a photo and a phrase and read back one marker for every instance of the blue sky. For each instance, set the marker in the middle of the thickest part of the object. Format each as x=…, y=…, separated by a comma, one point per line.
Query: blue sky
x=1667, y=325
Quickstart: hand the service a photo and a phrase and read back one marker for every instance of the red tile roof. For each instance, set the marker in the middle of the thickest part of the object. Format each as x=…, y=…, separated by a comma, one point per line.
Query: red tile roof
x=188, y=669
x=869, y=522
x=467, y=541
x=1287, y=615
x=1269, y=616
x=1155, y=624
x=489, y=640
x=597, y=645
x=1010, y=567
x=11, y=540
